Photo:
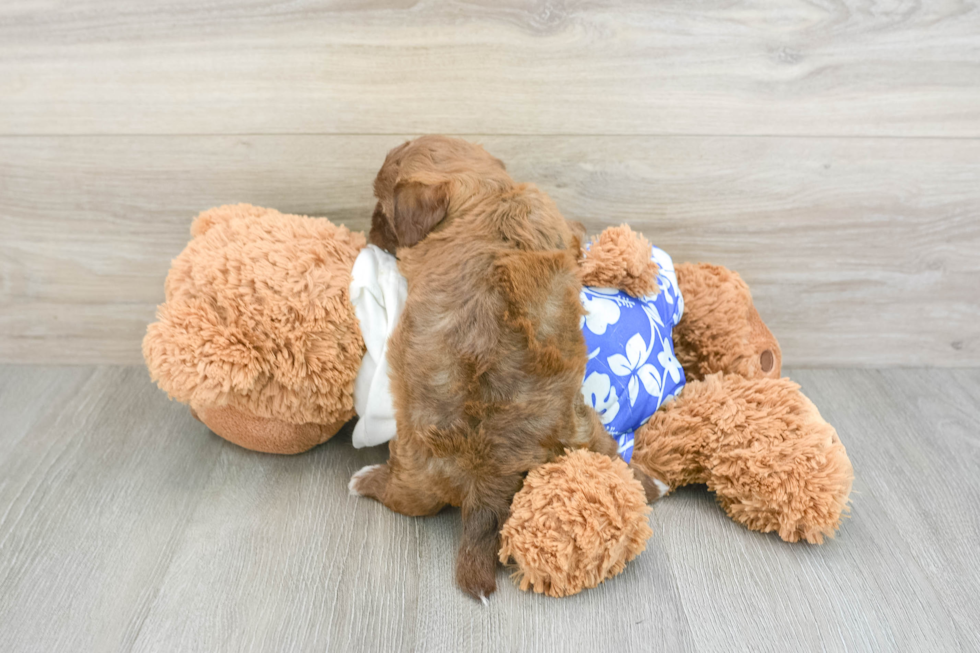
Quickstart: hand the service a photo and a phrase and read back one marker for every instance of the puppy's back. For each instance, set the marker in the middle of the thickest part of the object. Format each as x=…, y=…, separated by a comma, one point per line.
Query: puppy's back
x=489, y=345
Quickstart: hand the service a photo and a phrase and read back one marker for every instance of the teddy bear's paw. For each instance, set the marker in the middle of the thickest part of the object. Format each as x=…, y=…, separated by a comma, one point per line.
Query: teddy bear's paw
x=576, y=523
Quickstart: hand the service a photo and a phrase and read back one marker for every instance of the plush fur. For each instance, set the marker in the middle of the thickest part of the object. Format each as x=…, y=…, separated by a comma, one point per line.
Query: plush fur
x=713, y=433
x=267, y=360
x=721, y=330
x=576, y=523
x=620, y=258
x=487, y=359
x=258, y=319
x=753, y=438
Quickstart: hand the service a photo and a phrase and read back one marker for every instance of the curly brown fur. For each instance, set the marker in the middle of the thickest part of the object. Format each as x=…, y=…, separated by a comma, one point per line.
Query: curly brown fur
x=620, y=258
x=721, y=330
x=258, y=319
x=488, y=357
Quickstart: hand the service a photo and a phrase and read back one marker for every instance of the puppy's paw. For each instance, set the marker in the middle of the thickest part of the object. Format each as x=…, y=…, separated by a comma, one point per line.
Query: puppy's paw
x=480, y=588
x=477, y=576
x=369, y=482
x=652, y=487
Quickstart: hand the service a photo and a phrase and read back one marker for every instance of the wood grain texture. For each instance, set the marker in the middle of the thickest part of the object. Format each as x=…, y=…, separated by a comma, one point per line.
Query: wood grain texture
x=126, y=526
x=846, y=67
x=898, y=557
x=94, y=496
x=858, y=251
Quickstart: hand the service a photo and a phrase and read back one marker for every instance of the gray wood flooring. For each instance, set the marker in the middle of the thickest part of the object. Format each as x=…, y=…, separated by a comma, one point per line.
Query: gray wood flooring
x=126, y=526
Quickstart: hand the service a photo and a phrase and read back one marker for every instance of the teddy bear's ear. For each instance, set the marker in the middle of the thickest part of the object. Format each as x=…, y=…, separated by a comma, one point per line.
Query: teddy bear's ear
x=419, y=207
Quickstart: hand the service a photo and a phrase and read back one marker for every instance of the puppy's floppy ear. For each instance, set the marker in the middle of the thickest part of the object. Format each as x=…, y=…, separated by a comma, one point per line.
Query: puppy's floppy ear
x=418, y=209
x=381, y=233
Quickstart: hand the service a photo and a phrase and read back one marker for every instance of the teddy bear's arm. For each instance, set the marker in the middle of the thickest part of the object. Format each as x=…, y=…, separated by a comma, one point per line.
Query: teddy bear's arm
x=620, y=258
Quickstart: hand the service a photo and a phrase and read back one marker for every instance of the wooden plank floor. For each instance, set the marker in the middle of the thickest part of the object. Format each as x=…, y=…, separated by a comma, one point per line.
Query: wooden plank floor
x=126, y=526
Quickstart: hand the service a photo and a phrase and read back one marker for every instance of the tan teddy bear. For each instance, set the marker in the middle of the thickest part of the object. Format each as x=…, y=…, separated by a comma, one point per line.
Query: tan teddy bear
x=260, y=337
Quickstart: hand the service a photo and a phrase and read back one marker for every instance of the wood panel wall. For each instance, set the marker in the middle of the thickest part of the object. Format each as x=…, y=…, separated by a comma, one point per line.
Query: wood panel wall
x=828, y=151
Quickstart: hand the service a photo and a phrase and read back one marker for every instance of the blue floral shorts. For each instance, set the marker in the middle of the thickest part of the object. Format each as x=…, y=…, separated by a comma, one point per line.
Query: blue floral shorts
x=632, y=369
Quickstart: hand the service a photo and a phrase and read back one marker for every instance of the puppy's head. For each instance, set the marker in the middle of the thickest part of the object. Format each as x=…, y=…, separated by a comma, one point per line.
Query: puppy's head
x=423, y=182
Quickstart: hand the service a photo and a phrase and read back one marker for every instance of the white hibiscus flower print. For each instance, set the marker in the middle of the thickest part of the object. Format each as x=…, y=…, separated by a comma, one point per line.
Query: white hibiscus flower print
x=653, y=315
x=662, y=259
x=599, y=394
x=679, y=311
x=634, y=365
x=667, y=280
x=600, y=312
x=669, y=362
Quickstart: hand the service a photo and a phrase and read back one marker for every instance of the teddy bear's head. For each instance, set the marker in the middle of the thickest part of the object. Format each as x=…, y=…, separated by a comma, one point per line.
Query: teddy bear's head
x=257, y=329
x=721, y=330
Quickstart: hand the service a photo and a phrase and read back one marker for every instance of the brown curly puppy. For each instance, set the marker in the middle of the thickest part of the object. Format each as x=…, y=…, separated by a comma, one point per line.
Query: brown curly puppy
x=488, y=356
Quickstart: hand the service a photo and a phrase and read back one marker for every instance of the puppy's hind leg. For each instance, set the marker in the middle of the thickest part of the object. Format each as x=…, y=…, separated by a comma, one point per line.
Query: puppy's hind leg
x=370, y=481
x=601, y=442
x=476, y=562
x=415, y=495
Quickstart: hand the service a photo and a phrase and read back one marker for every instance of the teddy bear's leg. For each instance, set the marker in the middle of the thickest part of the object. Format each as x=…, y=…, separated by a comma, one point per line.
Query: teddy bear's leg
x=760, y=445
x=262, y=433
x=576, y=522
